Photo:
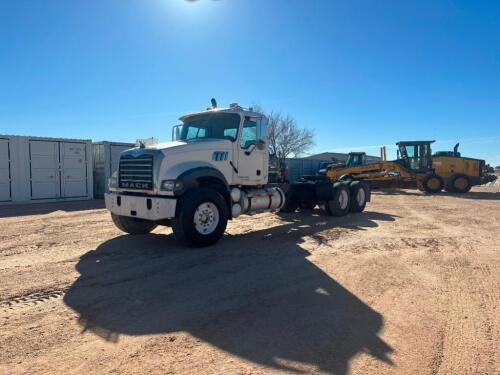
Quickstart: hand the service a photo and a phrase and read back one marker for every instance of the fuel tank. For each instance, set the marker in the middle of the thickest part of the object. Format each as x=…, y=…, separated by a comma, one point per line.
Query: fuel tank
x=250, y=201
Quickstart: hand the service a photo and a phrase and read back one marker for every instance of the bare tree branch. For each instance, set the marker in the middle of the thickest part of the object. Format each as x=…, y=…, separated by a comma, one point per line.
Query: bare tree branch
x=285, y=137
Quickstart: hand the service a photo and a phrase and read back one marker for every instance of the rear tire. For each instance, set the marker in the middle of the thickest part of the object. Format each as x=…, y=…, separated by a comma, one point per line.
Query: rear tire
x=359, y=194
x=308, y=205
x=432, y=183
x=340, y=204
x=291, y=203
x=201, y=218
x=132, y=225
x=460, y=183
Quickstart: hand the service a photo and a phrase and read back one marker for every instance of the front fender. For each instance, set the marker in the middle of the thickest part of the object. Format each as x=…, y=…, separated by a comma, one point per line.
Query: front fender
x=189, y=178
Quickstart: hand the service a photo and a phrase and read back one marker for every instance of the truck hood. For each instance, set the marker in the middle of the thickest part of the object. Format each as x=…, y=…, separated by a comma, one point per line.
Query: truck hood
x=198, y=145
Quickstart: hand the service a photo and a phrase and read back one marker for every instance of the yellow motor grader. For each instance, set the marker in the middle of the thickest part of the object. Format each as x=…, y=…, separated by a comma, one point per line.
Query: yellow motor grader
x=415, y=167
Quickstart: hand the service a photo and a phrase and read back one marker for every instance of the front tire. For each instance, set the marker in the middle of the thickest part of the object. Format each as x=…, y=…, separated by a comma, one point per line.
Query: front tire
x=202, y=217
x=132, y=225
x=432, y=183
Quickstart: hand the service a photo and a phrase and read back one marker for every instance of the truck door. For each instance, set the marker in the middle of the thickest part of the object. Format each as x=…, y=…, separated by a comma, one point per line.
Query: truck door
x=252, y=160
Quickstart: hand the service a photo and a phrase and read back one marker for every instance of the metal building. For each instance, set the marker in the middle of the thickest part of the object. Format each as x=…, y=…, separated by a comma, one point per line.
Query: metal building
x=298, y=167
x=106, y=157
x=38, y=169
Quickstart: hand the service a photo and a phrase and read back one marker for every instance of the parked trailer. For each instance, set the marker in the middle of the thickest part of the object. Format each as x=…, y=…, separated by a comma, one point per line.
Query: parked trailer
x=41, y=169
x=105, y=160
x=215, y=169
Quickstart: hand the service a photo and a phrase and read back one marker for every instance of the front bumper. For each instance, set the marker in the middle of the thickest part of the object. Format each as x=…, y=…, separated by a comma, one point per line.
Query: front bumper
x=141, y=207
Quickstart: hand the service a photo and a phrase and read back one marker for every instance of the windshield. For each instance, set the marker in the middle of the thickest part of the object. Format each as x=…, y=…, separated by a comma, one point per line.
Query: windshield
x=211, y=125
x=355, y=159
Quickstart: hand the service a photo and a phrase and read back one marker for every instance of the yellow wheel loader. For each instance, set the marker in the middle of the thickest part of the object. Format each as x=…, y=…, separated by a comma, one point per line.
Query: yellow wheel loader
x=415, y=167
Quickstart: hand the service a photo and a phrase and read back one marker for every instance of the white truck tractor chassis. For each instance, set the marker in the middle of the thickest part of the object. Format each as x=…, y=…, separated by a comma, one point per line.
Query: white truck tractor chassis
x=214, y=170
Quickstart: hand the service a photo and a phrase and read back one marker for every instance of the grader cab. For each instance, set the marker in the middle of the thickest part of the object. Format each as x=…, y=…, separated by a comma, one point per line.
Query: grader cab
x=415, y=156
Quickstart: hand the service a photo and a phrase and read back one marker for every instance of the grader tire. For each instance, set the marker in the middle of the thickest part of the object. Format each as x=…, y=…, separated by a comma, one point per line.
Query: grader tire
x=460, y=183
x=432, y=183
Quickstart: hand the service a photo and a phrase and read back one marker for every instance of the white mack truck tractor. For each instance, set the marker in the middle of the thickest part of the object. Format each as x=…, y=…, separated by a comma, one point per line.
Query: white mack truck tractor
x=214, y=170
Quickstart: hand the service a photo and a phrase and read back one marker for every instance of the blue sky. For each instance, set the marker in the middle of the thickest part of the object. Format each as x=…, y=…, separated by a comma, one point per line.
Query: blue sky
x=361, y=73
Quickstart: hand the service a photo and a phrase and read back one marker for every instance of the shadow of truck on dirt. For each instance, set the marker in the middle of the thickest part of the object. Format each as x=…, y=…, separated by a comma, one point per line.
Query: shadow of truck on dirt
x=256, y=296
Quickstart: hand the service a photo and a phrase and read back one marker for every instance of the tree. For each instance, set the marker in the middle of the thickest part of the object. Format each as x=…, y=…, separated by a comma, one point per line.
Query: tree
x=286, y=138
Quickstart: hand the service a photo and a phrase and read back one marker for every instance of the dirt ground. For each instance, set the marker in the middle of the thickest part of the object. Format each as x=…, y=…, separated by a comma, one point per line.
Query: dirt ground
x=411, y=286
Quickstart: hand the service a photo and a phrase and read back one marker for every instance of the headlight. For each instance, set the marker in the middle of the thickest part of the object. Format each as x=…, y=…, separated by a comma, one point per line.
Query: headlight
x=113, y=180
x=171, y=185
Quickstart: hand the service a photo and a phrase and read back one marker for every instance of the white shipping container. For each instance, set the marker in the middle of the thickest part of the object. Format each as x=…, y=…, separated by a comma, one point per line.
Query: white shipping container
x=5, y=188
x=38, y=169
x=106, y=158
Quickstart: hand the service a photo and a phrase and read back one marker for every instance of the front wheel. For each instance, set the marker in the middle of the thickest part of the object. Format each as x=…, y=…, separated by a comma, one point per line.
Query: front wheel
x=202, y=217
x=132, y=225
x=432, y=183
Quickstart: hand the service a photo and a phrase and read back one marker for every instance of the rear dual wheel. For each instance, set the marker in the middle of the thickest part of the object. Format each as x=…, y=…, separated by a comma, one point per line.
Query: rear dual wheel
x=339, y=205
x=359, y=195
x=347, y=198
x=291, y=203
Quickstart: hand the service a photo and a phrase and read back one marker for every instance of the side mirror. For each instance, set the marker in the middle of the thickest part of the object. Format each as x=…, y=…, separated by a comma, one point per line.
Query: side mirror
x=261, y=144
x=176, y=132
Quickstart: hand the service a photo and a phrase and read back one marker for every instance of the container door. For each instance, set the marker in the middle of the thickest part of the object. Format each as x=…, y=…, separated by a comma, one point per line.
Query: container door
x=44, y=169
x=5, y=192
x=73, y=169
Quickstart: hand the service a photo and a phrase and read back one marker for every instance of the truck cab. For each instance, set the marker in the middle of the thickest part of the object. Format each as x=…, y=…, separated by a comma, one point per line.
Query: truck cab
x=220, y=154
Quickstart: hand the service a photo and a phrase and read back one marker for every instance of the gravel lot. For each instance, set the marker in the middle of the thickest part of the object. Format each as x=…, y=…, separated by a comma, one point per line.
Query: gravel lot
x=411, y=286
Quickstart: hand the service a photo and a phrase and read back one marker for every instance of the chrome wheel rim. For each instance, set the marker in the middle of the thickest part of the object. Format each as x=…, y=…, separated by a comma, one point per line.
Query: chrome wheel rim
x=360, y=196
x=206, y=218
x=343, y=199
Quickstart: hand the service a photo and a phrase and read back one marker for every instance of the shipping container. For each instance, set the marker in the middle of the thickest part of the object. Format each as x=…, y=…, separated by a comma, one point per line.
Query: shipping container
x=39, y=169
x=106, y=157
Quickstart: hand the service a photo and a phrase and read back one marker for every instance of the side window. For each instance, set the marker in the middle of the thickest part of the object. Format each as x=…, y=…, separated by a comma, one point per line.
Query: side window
x=249, y=134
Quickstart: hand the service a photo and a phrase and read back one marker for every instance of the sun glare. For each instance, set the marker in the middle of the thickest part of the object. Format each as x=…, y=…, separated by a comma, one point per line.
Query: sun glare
x=192, y=9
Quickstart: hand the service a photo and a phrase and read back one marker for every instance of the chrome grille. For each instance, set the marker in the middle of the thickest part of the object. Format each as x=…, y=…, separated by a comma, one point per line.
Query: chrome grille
x=136, y=172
